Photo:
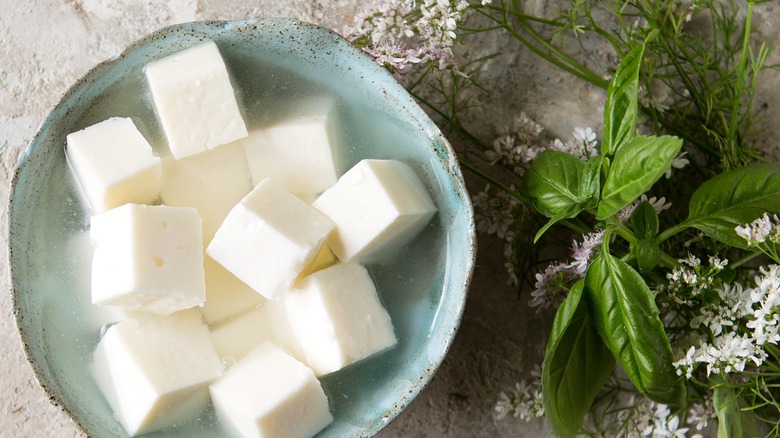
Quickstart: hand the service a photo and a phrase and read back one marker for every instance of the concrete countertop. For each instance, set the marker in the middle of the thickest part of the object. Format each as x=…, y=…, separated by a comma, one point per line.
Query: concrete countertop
x=45, y=45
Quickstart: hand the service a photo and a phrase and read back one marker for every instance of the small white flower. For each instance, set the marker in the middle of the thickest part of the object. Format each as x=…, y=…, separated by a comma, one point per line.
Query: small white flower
x=659, y=204
x=525, y=402
x=677, y=163
x=717, y=263
x=700, y=414
x=585, y=136
x=686, y=364
x=691, y=261
x=761, y=229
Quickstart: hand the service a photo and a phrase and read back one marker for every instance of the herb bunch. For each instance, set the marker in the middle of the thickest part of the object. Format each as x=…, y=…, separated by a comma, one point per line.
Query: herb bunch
x=647, y=339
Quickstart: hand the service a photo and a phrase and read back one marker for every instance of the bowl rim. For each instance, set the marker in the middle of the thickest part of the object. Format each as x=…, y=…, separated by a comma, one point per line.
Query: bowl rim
x=447, y=154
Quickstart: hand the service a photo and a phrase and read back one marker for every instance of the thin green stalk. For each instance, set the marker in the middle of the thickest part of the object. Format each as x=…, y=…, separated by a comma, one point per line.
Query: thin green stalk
x=515, y=194
x=673, y=231
x=565, y=62
x=741, y=68
x=743, y=260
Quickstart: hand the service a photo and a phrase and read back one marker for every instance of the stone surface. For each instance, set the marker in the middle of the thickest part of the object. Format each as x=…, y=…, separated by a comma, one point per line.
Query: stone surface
x=45, y=45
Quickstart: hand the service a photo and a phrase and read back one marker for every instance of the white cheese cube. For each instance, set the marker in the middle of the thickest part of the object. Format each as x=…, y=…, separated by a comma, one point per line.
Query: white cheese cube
x=113, y=164
x=148, y=258
x=270, y=394
x=194, y=100
x=296, y=153
x=155, y=370
x=212, y=182
x=236, y=337
x=338, y=318
x=80, y=252
x=226, y=295
x=268, y=238
x=377, y=205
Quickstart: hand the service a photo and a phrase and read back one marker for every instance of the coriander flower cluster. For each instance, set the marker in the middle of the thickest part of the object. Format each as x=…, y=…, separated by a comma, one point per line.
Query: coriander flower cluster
x=646, y=418
x=494, y=214
x=733, y=348
x=760, y=230
x=401, y=33
x=687, y=282
x=524, y=402
x=515, y=149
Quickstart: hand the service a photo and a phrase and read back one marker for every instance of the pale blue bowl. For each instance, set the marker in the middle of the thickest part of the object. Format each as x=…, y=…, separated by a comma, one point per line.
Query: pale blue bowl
x=424, y=288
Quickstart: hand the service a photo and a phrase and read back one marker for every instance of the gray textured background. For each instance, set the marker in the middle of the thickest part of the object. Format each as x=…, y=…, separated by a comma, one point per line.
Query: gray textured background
x=45, y=45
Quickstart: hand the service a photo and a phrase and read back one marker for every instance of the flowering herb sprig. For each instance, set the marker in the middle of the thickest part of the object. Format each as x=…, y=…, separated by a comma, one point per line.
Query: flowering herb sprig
x=611, y=315
x=400, y=34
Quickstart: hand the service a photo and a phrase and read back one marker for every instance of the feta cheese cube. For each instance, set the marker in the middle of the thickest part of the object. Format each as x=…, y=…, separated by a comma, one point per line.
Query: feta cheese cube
x=226, y=295
x=212, y=182
x=236, y=337
x=296, y=153
x=155, y=370
x=80, y=264
x=194, y=100
x=148, y=258
x=270, y=394
x=268, y=238
x=338, y=318
x=113, y=164
x=377, y=204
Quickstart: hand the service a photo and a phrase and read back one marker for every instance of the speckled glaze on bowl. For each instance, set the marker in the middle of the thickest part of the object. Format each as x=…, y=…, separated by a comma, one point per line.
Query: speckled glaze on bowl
x=424, y=287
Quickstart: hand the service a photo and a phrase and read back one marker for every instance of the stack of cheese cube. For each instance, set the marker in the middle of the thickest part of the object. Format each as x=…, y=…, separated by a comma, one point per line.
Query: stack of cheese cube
x=279, y=296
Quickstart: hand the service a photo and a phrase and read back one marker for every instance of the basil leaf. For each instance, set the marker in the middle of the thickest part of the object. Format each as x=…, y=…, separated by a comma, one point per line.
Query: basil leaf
x=576, y=365
x=732, y=421
x=733, y=198
x=627, y=319
x=645, y=221
x=636, y=167
x=591, y=178
x=647, y=253
x=620, y=112
x=554, y=183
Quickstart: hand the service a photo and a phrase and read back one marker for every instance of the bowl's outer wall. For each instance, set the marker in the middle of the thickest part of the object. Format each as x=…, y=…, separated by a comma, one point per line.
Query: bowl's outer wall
x=424, y=289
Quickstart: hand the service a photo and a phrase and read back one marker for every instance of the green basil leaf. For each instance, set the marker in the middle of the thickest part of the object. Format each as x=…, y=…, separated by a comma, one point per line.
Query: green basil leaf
x=636, y=167
x=620, y=112
x=732, y=421
x=576, y=365
x=627, y=319
x=645, y=221
x=591, y=178
x=554, y=183
x=648, y=254
x=733, y=198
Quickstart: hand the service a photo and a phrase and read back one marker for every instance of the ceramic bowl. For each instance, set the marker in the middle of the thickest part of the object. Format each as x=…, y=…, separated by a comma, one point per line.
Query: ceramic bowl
x=272, y=61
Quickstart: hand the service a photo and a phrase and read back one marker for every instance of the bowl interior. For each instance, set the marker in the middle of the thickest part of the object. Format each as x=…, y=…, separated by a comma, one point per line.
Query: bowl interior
x=274, y=63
